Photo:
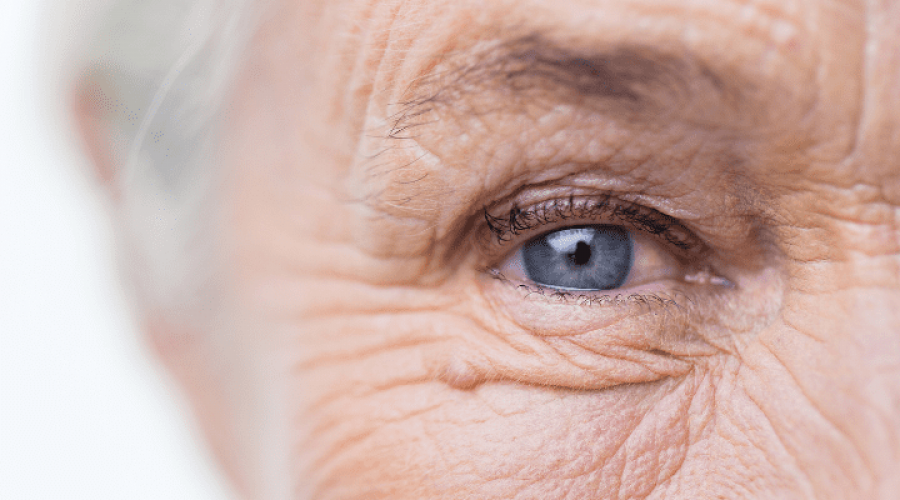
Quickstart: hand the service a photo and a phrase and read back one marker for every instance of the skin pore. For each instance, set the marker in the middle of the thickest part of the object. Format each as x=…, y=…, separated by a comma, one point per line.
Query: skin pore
x=363, y=345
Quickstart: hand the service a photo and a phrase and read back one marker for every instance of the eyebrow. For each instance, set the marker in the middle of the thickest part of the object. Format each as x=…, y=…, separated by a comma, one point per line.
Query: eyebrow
x=638, y=79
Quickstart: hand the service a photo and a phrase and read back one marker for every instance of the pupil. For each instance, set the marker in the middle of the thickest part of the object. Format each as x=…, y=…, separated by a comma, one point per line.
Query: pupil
x=581, y=255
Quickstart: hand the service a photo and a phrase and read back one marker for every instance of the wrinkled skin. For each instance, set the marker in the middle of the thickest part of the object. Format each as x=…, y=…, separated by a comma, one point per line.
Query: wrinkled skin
x=361, y=348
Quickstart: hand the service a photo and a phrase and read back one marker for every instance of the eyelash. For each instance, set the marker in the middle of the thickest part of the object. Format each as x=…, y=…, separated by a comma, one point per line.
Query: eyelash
x=650, y=302
x=607, y=209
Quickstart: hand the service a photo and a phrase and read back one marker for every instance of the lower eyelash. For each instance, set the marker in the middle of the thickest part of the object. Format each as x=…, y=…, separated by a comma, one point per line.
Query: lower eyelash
x=648, y=303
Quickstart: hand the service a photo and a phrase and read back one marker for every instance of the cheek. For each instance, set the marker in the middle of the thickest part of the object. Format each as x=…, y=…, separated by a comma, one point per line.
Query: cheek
x=425, y=439
x=374, y=414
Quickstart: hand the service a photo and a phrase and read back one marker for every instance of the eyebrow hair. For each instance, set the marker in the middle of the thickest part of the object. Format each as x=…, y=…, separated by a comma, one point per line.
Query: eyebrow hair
x=639, y=79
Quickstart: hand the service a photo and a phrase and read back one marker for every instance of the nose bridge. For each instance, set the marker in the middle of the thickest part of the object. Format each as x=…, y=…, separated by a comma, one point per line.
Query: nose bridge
x=870, y=350
x=842, y=275
x=839, y=334
x=878, y=134
x=868, y=285
x=875, y=241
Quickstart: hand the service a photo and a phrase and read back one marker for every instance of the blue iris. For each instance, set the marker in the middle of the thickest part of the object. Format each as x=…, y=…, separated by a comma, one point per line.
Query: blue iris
x=580, y=258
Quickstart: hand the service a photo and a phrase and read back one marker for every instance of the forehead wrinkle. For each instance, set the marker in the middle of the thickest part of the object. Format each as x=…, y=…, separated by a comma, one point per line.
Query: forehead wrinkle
x=640, y=80
x=620, y=73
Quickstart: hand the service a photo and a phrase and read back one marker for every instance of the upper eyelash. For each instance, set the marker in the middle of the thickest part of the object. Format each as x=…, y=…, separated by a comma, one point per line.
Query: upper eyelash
x=518, y=220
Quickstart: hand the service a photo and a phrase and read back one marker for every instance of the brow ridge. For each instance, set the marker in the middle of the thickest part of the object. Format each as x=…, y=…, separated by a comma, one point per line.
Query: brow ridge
x=639, y=80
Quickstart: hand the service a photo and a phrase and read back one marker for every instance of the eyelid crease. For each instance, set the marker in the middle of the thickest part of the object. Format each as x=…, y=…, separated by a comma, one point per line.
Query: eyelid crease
x=604, y=208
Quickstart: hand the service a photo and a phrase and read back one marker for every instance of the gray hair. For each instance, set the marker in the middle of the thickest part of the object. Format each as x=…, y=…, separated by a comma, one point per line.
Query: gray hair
x=165, y=68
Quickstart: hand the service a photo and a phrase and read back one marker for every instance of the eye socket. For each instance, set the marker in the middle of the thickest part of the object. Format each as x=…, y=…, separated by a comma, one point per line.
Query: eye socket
x=596, y=243
x=570, y=265
x=591, y=258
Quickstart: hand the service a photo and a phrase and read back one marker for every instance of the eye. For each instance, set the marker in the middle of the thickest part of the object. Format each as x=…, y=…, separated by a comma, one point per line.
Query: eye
x=599, y=265
x=591, y=258
x=618, y=244
x=579, y=258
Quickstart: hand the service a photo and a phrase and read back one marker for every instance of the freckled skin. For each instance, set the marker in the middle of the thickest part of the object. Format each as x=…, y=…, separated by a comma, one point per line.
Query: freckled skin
x=360, y=352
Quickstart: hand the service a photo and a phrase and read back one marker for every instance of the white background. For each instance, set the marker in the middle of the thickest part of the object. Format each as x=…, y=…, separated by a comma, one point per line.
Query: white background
x=85, y=412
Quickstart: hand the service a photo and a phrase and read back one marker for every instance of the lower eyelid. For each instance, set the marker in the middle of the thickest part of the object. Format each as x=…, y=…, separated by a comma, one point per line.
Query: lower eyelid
x=650, y=318
x=548, y=311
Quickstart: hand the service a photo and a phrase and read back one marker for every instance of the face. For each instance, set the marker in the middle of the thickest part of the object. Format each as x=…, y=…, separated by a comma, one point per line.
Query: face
x=538, y=249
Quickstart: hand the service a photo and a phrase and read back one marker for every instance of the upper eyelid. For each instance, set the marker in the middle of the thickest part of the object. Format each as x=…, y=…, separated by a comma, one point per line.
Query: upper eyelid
x=590, y=207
